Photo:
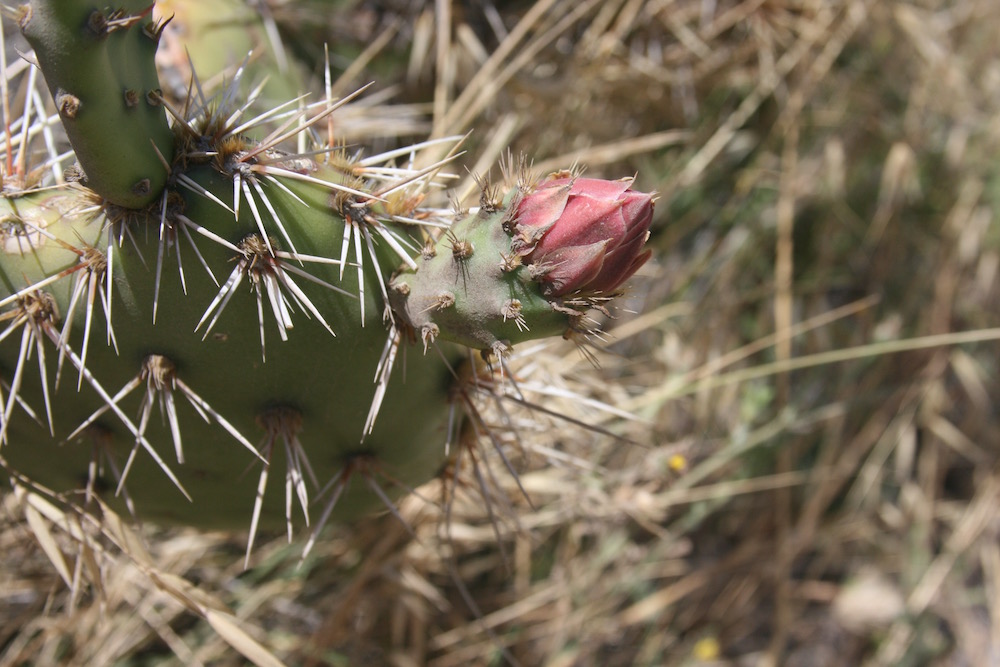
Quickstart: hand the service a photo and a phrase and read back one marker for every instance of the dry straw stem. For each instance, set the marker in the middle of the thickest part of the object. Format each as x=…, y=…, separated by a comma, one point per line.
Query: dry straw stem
x=102, y=544
x=825, y=287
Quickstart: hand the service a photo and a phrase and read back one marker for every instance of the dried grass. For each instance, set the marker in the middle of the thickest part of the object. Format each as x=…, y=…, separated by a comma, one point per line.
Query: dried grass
x=809, y=473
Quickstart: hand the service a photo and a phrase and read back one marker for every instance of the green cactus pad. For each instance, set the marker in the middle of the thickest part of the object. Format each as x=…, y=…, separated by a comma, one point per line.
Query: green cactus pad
x=471, y=288
x=225, y=386
x=99, y=68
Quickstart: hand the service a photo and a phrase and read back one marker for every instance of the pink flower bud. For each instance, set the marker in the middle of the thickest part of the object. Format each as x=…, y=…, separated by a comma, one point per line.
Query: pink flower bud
x=583, y=234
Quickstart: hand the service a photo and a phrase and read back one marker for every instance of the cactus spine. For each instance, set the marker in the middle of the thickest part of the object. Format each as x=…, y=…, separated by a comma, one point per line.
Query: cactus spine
x=203, y=312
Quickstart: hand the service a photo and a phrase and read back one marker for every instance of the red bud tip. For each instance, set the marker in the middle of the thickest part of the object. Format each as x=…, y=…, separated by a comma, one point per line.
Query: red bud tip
x=584, y=234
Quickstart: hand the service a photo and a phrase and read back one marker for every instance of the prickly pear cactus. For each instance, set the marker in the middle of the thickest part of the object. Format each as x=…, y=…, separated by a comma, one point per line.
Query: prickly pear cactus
x=527, y=264
x=194, y=316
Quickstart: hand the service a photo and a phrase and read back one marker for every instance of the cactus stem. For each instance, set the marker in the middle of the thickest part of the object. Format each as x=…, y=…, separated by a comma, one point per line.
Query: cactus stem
x=89, y=58
x=282, y=423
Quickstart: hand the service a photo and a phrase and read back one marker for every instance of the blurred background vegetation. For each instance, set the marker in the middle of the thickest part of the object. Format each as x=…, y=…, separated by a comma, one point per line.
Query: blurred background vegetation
x=789, y=443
